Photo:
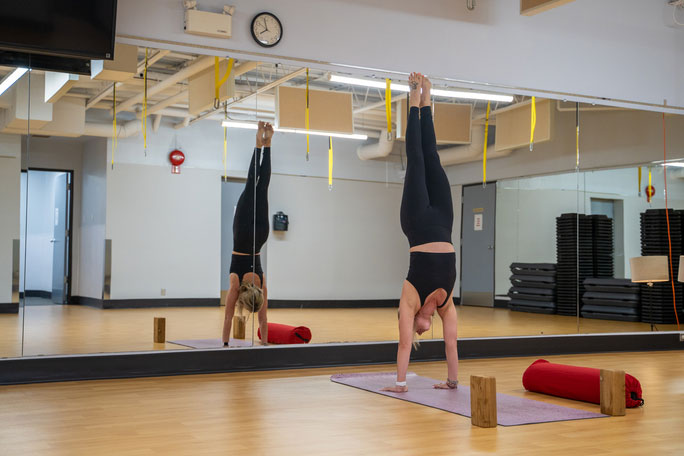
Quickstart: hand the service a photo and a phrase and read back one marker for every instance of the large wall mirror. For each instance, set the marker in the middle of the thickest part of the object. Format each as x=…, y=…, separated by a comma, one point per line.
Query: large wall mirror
x=104, y=231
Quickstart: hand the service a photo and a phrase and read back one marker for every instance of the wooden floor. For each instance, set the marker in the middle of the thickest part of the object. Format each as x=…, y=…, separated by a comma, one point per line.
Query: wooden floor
x=303, y=412
x=53, y=329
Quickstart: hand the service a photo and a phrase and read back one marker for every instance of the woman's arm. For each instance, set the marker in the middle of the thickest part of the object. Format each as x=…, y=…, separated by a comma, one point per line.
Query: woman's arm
x=450, y=328
x=231, y=299
x=406, y=331
x=263, y=320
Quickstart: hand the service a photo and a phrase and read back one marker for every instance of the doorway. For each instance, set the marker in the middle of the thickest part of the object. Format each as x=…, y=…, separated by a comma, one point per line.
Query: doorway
x=477, y=245
x=48, y=236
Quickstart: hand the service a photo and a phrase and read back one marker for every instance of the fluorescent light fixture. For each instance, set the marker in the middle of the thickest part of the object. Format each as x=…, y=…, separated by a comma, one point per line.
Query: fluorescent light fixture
x=11, y=78
x=675, y=164
x=253, y=126
x=436, y=92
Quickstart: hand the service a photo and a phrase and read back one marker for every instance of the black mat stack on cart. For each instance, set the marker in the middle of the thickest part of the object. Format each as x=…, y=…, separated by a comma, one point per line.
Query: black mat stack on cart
x=575, y=260
x=602, y=237
x=611, y=299
x=656, y=301
x=533, y=288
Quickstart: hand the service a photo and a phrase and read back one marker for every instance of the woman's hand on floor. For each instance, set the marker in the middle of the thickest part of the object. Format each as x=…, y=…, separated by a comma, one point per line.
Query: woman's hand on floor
x=395, y=389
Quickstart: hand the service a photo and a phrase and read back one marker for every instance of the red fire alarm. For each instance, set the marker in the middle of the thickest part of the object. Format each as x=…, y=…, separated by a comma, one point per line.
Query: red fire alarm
x=176, y=157
x=650, y=191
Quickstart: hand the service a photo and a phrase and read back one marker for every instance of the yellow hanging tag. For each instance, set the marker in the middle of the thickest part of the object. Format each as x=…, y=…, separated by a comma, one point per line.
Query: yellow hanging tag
x=115, y=136
x=533, y=121
x=330, y=162
x=484, y=152
x=219, y=81
x=144, y=109
x=639, y=188
x=306, y=114
x=388, y=107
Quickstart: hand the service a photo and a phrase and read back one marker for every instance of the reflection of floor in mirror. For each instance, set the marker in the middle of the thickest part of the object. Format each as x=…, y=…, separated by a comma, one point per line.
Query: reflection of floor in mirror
x=55, y=329
x=302, y=410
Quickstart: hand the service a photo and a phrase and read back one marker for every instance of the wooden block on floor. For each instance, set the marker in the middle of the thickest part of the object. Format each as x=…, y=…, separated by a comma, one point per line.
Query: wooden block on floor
x=159, y=330
x=613, y=392
x=483, y=401
x=239, y=326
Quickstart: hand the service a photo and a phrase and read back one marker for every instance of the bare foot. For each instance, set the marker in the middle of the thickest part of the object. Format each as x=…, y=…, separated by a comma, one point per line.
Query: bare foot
x=268, y=134
x=260, y=134
x=425, y=95
x=415, y=83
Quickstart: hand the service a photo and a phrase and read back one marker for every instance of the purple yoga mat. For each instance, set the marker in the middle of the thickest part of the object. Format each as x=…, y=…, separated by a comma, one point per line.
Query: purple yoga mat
x=510, y=410
x=211, y=343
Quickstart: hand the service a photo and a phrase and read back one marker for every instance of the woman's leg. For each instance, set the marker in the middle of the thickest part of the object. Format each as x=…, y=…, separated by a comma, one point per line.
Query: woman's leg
x=415, y=196
x=262, y=227
x=243, y=219
x=437, y=181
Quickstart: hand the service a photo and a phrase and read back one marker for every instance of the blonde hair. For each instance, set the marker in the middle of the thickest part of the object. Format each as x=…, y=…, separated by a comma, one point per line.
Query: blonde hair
x=250, y=297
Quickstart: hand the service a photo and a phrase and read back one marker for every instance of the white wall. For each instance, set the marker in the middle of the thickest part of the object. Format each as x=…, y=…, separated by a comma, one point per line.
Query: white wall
x=10, y=184
x=341, y=244
x=165, y=232
x=92, y=221
x=350, y=234
x=619, y=49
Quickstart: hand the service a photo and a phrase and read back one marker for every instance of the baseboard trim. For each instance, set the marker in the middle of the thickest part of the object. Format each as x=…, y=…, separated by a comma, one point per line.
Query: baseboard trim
x=38, y=294
x=144, y=303
x=41, y=369
x=9, y=308
x=337, y=303
x=331, y=303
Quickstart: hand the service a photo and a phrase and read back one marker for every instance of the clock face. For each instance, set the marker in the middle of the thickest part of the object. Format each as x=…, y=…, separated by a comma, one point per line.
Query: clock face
x=267, y=29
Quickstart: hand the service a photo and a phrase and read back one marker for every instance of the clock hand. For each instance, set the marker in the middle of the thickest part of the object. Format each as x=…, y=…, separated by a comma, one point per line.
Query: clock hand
x=265, y=26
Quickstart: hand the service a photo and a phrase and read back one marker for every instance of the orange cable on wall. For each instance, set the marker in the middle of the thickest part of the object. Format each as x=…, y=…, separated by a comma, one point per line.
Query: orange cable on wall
x=667, y=217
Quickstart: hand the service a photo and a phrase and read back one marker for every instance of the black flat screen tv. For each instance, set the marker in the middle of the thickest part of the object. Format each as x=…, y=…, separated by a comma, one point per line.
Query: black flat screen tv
x=70, y=28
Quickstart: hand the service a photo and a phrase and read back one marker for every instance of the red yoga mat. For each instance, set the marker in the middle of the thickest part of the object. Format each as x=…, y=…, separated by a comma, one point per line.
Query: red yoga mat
x=574, y=382
x=286, y=334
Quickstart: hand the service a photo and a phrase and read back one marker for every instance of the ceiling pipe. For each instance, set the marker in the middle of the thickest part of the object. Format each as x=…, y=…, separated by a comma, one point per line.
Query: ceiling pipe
x=381, y=149
x=104, y=130
x=472, y=152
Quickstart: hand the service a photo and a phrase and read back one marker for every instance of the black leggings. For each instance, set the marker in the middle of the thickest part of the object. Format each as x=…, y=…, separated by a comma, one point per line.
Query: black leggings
x=427, y=212
x=250, y=224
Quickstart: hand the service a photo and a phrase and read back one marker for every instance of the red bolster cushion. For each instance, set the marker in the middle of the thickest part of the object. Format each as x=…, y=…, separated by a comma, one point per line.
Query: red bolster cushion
x=574, y=382
x=286, y=334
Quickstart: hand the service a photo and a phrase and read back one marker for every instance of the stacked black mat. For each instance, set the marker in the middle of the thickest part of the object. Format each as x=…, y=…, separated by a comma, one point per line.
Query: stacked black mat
x=575, y=260
x=533, y=288
x=602, y=233
x=584, y=249
x=611, y=299
x=656, y=301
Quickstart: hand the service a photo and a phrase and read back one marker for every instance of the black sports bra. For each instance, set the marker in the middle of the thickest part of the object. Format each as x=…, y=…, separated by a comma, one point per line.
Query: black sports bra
x=244, y=264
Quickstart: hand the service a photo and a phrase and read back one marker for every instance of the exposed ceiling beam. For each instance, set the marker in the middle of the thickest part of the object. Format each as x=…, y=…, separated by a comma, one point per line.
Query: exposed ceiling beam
x=260, y=90
x=532, y=7
x=183, y=95
x=195, y=67
x=141, y=66
x=379, y=104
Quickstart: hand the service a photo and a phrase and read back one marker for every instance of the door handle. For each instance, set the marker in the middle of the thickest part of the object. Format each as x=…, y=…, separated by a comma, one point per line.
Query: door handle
x=53, y=240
